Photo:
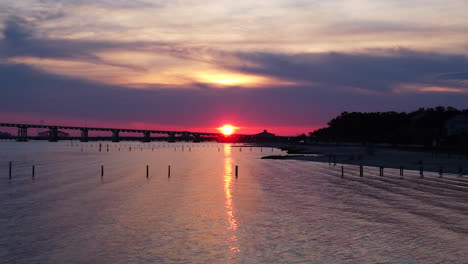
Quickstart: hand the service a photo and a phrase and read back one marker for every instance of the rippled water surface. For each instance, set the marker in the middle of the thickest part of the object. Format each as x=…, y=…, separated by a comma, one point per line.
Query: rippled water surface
x=276, y=211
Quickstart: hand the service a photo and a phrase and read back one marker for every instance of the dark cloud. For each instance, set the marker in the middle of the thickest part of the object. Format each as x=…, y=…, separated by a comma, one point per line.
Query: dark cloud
x=375, y=71
x=25, y=90
x=21, y=40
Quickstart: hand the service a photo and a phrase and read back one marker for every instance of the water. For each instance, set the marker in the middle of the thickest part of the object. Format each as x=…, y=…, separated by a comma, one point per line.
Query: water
x=277, y=211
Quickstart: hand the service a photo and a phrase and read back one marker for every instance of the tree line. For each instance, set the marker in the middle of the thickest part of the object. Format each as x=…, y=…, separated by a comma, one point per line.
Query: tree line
x=425, y=126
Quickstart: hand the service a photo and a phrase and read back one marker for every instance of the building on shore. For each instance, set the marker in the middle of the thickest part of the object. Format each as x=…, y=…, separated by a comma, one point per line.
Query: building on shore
x=456, y=125
x=265, y=136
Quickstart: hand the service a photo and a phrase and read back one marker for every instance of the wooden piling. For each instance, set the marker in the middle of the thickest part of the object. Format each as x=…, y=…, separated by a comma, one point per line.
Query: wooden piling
x=100, y=146
x=147, y=171
x=169, y=171
x=361, y=171
x=237, y=171
x=33, y=171
x=102, y=170
x=402, y=171
x=342, y=172
x=9, y=174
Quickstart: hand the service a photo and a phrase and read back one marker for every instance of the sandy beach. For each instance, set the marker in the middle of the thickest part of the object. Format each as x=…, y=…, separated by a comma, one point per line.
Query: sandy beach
x=378, y=156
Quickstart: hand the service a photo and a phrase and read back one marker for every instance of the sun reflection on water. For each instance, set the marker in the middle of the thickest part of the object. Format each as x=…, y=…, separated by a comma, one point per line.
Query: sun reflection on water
x=232, y=240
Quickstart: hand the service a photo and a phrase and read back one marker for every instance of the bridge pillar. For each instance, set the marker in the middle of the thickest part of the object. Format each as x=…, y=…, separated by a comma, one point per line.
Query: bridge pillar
x=84, y=135
x=171, y=137
x=22, y=134
x=146, y=136
x=115, y=136
x=53, y=134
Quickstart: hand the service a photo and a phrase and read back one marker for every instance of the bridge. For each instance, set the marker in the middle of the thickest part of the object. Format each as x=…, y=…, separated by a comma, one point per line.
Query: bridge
x=54, y=132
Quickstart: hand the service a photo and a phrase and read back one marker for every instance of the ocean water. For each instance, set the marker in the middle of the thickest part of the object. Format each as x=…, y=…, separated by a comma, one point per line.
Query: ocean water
x=276, y=211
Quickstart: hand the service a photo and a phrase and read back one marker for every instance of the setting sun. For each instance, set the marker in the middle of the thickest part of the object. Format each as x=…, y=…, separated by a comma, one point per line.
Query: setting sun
x=227, y=130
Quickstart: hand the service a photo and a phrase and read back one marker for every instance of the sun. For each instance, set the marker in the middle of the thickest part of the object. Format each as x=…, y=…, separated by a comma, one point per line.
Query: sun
x=227, y=130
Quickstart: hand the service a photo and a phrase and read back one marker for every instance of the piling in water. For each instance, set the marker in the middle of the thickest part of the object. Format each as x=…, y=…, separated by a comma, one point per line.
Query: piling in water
x=9, y=174
x=402, y=171
x=342, y=171
x=169, y=171
x=361, y=171
x=33, y=171
x=102, y=170
x=237, y=171
x=147, y=171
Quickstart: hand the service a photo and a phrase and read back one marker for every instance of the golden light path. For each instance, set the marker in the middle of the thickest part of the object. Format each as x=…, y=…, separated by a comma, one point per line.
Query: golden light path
x=232, y=228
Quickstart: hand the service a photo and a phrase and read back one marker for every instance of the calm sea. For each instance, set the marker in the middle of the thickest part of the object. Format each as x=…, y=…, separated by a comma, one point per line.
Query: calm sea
x=276, y=211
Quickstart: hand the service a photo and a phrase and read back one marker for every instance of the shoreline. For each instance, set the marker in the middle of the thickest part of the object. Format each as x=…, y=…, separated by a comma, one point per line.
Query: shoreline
x=376, y=157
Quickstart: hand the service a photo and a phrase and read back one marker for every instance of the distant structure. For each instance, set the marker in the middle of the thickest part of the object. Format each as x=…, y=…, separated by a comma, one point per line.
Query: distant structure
x=456, y=125
x=4, y=135
x=265, y=136
x=60, y=134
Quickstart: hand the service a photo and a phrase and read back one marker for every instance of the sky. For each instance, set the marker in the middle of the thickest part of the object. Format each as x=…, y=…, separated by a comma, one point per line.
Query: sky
x=288, y=66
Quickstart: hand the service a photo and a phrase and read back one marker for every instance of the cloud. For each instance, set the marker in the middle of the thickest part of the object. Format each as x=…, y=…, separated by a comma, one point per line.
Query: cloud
x=376, y=70
x=25, y=90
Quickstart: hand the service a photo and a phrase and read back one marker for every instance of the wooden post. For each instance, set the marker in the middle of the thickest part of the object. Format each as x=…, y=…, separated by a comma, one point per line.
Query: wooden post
x=33, y=171
x=169, y=171
x=102, y=170
x=361, y=170
x=402, y=171
x=9, y=174
x=237, y=171
x=147, y=171
x=342, y=172
x=100, y=146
